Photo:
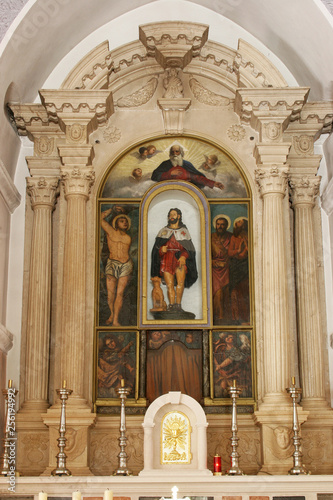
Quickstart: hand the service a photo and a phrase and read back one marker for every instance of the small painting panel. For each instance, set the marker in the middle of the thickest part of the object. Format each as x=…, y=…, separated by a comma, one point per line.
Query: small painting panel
x=174, y=363
x=230, y=264
x=175, y=159
x=118, y=267
x=116, y=360
x=232, y=360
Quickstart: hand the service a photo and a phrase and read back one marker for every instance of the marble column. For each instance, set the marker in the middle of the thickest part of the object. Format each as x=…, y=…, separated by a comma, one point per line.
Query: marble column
x=274, y=415
x=272, y=183
x=77, y=183
x=43, y=194
x=304, y=190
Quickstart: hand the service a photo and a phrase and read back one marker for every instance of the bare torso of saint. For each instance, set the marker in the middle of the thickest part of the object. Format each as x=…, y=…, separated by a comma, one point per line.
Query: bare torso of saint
x=119, y=245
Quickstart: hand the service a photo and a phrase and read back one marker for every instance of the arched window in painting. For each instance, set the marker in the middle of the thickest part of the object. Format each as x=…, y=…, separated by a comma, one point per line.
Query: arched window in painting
x=173, y=302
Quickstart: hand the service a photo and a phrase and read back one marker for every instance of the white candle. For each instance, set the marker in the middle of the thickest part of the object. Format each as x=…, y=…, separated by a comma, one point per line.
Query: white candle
x=76, y=495
x=108, y=495
x=42, y=496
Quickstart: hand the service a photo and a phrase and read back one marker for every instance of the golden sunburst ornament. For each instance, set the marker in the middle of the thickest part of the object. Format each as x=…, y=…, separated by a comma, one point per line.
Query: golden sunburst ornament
x=175, y=439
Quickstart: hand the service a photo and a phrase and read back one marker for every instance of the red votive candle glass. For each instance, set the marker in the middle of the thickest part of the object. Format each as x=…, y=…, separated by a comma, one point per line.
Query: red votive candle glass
x=217, y=465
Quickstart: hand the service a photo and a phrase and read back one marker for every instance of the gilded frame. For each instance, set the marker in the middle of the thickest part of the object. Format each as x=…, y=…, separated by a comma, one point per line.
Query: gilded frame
x=200, y=200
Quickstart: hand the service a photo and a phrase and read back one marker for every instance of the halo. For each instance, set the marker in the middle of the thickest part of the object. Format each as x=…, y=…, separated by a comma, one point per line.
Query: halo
x=221, y=216
x=240, y=218
x=118, y=217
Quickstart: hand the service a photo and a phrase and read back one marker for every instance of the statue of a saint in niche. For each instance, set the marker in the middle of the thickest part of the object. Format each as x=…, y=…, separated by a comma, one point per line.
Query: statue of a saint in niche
x=173, y=259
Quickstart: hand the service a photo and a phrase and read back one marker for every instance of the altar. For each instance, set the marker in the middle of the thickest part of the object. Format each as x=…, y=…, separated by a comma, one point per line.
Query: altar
x=173, y=247
x=136, y=488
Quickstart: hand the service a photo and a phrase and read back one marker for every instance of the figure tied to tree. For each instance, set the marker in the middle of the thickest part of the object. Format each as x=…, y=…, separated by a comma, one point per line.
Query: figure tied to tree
x=173, y=259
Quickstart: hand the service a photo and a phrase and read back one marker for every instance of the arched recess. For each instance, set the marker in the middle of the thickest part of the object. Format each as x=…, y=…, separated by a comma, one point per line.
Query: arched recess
x=216, y=306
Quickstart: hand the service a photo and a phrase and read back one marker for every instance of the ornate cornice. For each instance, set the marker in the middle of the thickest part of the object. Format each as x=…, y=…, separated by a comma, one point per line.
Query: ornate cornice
x=8, y=191
x=263, y=106
x=93, y=72
x=74, y=105
x=173, y=44
x=42, y=191
x=254, y=69
x=30, y=116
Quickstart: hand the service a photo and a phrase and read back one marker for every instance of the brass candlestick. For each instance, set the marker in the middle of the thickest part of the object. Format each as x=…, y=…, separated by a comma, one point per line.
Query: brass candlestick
x=297, y=468
x=122, y=468
x=8, y=459
x=234, y=470
x=61, y=469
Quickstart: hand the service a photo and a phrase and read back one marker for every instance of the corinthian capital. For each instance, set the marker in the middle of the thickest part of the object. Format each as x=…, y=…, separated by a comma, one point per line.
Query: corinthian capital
x=272, y=180
x=42, y=190
x=77, y=181
x=304, y=190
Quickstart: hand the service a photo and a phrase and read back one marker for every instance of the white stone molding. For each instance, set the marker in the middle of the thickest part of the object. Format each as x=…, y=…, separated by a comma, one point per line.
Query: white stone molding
x=84, y=110
x=194, y=411
x=29, y=116
x=8, y=191
x=173, y=44
x=139, y=97
x=93, y=71
x=6, y=339
x=254, y=69
x=173, y=111
x=269, y=110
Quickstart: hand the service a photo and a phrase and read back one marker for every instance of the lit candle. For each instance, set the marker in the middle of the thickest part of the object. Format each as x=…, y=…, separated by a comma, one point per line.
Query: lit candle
x=76, y=495
x=64, y=384
x=234, y=382
x=293, y=380
x=122, y=382
x=42, y=496
x=10, y=383
x=217, y=464
x=108, y=495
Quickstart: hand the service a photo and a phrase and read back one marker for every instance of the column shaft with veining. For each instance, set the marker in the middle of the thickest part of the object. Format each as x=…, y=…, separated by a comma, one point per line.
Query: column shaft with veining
x=43, y=193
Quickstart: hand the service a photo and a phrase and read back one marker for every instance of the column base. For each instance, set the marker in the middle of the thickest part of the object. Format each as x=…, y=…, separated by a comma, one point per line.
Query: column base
x=275, y=422
x=79, y=419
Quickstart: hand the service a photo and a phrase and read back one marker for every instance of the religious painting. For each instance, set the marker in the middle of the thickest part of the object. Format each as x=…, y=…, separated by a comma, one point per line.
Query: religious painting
x=169, y=159
x=174, y=363
x=117, y=359
x=230, y=264
x=231, y=361
x=175, y=269
x=118, y=264
x=175, y=438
